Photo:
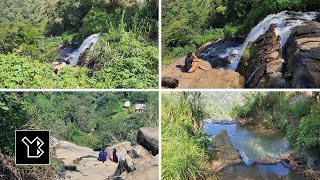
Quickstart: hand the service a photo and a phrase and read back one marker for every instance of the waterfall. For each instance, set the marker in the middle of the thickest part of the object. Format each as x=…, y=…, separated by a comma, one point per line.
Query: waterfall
x=284, y=22
x=74, y=56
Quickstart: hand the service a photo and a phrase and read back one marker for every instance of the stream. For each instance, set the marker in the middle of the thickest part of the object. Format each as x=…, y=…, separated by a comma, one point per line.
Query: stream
x=233, y=50
x=252, y=144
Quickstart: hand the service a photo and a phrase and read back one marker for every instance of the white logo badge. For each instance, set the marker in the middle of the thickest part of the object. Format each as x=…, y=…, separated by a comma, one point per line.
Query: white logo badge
x=39, y=143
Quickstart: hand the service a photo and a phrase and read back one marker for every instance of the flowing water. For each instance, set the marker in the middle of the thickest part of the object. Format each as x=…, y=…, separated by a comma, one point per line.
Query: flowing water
x=284, y=22
x=253, y=144
x=74, y=56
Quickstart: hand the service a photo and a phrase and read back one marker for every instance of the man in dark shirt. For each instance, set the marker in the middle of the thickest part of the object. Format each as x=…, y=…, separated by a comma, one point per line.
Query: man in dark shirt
x=103, y=155
x=192, y=63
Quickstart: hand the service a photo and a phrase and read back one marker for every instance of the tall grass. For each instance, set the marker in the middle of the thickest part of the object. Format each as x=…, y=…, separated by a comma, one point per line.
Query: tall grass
x=183, y=148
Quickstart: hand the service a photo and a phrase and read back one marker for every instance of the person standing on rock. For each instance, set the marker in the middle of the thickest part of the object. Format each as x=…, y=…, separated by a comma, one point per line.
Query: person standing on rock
x=192, y=63
x=113, y=156
x=103, y=155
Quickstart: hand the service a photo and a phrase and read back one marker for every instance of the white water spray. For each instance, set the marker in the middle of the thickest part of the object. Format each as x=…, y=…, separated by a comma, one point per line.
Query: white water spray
x=284, y=22
x=74, y=56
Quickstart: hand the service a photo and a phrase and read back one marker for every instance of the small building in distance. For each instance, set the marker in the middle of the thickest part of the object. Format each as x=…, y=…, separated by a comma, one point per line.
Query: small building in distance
x=139, y=106
x=127, y=104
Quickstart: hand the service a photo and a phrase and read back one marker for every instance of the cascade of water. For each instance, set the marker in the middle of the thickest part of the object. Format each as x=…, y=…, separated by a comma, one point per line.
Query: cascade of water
x=284, y=22
x=74, y=56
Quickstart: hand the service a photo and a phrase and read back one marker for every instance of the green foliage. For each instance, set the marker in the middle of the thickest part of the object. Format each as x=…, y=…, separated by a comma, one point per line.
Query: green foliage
x=184, y=149
x=209, y=35
x=309, y=130
x=68, y=15
x=262, y=8
x=22, y=73
x=290, y=112
x=19, y=36
x=12, y=115
x=122, y=60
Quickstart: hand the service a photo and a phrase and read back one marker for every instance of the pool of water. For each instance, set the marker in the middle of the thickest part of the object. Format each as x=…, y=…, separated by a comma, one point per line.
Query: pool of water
x=252, y=144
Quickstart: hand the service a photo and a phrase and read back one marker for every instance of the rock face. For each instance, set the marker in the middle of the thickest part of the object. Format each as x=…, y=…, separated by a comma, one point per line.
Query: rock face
x=200, y=79
x=84, y=59
x=149, y=138
x=226, y=154
x=302, y=54
x=261, y=63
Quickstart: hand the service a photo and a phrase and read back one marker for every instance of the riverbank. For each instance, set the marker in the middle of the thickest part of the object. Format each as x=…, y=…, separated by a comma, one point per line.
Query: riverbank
x=264, y=153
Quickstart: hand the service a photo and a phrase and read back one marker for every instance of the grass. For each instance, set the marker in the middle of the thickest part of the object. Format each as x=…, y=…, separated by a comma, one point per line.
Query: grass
x=184, y=149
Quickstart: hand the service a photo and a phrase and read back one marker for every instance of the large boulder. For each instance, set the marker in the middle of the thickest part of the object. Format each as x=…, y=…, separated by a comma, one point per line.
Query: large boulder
x=302, y=54
x=175, y=75
x=149, y=138
x=226, y=155
x=261, y=63
x=68, y=152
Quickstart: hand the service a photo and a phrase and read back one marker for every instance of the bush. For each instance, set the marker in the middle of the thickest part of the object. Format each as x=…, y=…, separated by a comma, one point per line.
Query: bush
x=122, y=60
x=20, y=36
x=309, y=130
x=277, y=109
x=21, y=73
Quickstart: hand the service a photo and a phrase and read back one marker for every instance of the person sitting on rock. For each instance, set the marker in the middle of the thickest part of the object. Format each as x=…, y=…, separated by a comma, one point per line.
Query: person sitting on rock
x=192, y=63
x=113, y=156
x=103, y=155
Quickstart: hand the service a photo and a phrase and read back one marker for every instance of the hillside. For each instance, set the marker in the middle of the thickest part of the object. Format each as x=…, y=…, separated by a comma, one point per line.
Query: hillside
x=48, y=44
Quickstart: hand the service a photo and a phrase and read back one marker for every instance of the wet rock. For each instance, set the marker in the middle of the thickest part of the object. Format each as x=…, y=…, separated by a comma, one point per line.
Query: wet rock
x=200, y=79
x=261, y=63
x=211, y=52
x=226, y=155
x=220, y=63
x=318, y=18
x=300, y=165
x=302, y=54
x=65, y=50
x=266, y=160
x=84, y=58
x=149, y=138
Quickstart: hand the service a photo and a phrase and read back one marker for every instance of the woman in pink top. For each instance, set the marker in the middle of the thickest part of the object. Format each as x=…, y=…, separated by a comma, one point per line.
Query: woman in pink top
x=113, y=156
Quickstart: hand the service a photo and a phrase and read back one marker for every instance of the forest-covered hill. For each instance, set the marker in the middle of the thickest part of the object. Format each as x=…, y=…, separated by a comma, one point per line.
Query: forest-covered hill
x=34, y=32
